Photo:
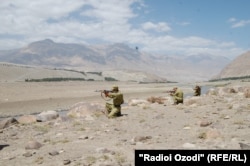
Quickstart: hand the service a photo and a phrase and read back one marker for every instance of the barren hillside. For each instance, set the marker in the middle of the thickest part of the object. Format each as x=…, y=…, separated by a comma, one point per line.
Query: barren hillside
x=239, y=67
x=16, y=73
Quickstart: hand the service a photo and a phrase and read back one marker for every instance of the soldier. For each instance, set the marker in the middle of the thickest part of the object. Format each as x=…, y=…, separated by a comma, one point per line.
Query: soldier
x=177, y=95
x=114, y=110
x=197, y=90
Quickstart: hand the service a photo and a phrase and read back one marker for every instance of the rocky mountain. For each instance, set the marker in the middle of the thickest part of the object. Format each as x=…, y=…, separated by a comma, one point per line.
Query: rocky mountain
x=239, y=67
x=100, y=58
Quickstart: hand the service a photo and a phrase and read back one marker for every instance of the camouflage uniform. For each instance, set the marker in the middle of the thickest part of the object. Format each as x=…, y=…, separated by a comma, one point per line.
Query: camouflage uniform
x=197, y=90
x=114, y=109
x=177, y=96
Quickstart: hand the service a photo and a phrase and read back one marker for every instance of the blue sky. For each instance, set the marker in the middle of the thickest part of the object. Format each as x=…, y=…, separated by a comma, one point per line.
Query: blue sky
x=169, y=27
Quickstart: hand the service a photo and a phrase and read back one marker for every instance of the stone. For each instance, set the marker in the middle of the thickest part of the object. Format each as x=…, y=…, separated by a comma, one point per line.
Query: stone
x=205, y=123
x=66, y=162
x=33, y=145
x=47, y=116
x=189, y=146
x=244, y=146
x=136, y=102
x=84, y=110
x=54, y=153
x=27, y=154
x=7, y=122
x=27, y=119
x=141, y=138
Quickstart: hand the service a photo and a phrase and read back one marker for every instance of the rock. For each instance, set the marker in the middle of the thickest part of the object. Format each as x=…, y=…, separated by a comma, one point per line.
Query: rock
x=27, y=154
x=136, y=102
x=62, y=118
x=104, y=150
x=66, y=162
x=189, y=146
x=222, y=91
x=212, y=134
x=244, y=146
x=83, y=137
x=27, y=119
x=232, y=90
x=39, y=160
x=186, y=128
x=141, y=138
x=205, y=123
x=47, y=116
x=153, y=99
x=211, y=92
x=85, y=110
x=194, y=100
x=7, y=122
x=54, y=153
x=33, y=145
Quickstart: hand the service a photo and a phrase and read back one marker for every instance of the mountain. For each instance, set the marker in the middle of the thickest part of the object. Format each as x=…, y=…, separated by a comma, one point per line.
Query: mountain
x=118, y=56
x=239, y=67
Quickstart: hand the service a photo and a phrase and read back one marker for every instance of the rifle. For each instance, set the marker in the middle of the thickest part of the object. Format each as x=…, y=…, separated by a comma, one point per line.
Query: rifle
x=105, y=92
x=169, y=91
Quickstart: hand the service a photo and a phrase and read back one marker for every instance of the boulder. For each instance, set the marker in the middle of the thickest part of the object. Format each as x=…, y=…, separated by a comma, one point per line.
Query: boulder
x=7, y=122
x=27, y=119
x=33, y=145
x=194, y=100
x=136, y=102
x=211, y=92
x=47, y=116
x=85, y=110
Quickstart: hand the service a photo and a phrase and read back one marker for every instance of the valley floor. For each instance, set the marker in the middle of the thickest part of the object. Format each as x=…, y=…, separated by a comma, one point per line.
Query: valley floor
x=214, y=121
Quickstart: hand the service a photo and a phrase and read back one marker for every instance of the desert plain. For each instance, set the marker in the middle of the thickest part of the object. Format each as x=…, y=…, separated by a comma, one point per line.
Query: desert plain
x=80, y=134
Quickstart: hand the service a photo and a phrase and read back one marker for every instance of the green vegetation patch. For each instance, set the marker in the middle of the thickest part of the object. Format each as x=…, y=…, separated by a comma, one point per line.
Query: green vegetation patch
x=55, y=79
x=230, y=78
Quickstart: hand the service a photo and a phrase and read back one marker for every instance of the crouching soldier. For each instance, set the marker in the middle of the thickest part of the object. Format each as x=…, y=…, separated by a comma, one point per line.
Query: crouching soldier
x=197, y=90
x=177, y=95
x=114, y=109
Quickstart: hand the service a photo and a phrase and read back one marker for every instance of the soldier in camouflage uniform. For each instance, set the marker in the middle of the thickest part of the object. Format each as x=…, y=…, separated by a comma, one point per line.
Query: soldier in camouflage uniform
x=114, y=109
x=177, y=95
x=197, y=90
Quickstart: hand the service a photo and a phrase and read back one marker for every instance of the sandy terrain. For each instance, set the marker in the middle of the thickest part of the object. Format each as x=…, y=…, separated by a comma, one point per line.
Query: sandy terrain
x=219, y=120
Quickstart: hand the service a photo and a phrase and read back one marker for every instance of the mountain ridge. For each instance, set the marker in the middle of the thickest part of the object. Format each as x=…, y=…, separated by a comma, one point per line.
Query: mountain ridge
x=118, y=56
x=239, y=67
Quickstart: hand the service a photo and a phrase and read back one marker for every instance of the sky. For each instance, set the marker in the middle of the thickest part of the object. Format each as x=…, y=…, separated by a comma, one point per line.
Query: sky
x=166, y=27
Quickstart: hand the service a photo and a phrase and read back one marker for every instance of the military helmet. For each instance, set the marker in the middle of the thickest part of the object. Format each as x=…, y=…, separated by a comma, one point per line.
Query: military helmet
x=115, y=88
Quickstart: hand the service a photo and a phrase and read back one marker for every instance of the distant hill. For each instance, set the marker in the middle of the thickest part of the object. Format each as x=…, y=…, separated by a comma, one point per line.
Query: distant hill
x=238, y=68
x=19, y=73
x=100, y=58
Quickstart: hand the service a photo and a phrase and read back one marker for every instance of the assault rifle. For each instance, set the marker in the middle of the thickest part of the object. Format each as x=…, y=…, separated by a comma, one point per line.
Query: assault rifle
x=104, y=94
x=103, y=91
x=169, y=91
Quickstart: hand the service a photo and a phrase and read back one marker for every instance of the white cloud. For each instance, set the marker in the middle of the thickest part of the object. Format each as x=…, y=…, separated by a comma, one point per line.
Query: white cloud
x=232, y=19
x=184, y=23
x=159, y=27
x=81, y=21
x=241, y=23
x=238, y=23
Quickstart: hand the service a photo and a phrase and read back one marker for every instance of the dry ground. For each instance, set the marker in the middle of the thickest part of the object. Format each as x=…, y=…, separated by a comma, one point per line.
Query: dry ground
x=101, y=141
